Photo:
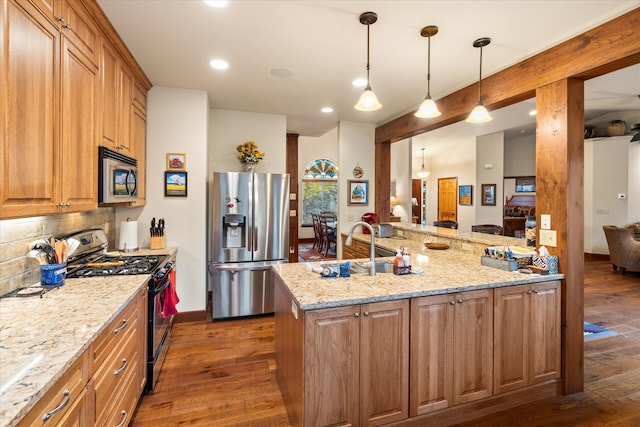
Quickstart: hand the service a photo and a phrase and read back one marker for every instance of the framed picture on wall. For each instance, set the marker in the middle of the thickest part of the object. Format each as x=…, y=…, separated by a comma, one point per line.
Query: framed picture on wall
x=176, y=161
x=488, y=194
x=358, y=192
x=175, y=184
x=465, y=195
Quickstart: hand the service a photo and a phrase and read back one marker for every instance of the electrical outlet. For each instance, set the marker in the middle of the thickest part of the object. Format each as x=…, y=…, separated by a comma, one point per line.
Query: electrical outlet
x=545, y=221
x=548, y=238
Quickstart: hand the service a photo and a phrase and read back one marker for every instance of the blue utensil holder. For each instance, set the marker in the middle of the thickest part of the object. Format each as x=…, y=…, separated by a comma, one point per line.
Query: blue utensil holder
x=53, y=274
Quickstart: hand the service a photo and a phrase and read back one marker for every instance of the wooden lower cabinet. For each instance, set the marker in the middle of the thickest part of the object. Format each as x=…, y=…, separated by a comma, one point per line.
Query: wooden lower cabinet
x=115, y=358
x=357, y=249
x=356, y=364
x=451, y=350
x=65, y=404
x=526, y=335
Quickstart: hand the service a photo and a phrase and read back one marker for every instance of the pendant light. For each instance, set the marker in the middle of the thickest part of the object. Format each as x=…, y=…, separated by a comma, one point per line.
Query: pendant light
x=368, y=100
x=428, y=108
x=423, y=172
x=480, y=114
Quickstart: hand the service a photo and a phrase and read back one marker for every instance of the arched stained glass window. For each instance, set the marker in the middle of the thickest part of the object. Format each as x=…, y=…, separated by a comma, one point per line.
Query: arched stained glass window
x=321, y=169
x=319, y=189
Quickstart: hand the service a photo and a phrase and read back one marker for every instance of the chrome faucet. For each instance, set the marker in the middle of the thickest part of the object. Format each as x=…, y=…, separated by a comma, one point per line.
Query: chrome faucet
x=373, y=243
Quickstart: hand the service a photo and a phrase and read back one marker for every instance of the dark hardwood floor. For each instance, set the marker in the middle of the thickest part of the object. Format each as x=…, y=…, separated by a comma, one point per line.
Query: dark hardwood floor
x=223, y=373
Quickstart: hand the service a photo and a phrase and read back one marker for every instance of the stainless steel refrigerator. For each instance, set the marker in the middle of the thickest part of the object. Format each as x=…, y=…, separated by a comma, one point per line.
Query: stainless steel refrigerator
x=248, y=233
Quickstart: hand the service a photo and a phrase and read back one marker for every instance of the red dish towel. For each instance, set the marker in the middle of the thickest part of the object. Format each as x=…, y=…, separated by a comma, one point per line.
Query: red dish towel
x=171, y=298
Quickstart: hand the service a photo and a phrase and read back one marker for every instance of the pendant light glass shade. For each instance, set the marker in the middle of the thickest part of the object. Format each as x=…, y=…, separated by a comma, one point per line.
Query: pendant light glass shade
x=368, y=100
x=480, y=114
x=428, y=108
x=423, y=172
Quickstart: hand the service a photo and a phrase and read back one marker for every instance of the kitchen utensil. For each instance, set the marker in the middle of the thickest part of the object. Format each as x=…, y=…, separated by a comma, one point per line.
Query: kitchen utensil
x=72, y=245
x=105, y=264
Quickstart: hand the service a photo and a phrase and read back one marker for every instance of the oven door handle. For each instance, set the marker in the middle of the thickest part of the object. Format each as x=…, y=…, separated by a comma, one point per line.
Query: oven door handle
x=165, y=285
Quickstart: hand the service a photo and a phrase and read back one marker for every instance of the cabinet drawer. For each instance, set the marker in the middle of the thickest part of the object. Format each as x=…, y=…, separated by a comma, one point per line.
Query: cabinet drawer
x=121, y=412
x=110, y=380
x=63, y=395
x=113, y=336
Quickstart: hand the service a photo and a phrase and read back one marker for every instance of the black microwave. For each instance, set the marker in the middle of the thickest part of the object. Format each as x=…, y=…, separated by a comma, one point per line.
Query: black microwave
x=117, y=177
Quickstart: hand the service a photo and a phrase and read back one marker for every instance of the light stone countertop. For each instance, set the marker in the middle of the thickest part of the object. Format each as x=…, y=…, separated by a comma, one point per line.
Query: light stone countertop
x=445, y=271
x=40, y=338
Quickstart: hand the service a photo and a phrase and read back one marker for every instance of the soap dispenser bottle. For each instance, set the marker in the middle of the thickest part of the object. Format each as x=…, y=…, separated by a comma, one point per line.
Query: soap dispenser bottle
x=405, y=257
x=398, y=262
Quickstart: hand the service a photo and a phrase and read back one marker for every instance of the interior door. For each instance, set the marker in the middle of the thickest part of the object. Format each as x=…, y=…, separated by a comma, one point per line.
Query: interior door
x=447, y=206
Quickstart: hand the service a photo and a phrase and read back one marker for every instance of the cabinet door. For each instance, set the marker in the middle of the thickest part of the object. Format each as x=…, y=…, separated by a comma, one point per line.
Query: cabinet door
x=79, y=130
x=544, y=332
x=28, y=91
x=384, y=362
x=139, y=142
x=473, y=344
x=511, y=343
x=331, y=364
x=109, y=99
x=431, y=353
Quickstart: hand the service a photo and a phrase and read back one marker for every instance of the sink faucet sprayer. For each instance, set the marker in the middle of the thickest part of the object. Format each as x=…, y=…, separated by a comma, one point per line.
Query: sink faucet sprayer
x=373, y=244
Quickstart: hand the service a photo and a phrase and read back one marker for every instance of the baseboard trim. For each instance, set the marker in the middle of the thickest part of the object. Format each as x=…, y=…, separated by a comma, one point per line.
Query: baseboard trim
x=190, y=316
x=596, y=257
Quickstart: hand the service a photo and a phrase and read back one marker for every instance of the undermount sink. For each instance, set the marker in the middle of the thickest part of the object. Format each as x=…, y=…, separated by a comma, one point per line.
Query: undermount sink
x=365, y=267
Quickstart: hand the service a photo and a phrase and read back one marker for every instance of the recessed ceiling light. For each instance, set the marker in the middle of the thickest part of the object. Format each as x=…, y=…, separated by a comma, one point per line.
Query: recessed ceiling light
x=282, y=73
x=327, y=110
x=359, y=82
x=219, y=64
x=216, y=3
x=532, y=112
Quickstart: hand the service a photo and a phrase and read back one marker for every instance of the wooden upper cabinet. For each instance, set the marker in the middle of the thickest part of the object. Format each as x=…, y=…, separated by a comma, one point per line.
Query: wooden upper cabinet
x=78, y=154
x=29, y=87
x=49, y=8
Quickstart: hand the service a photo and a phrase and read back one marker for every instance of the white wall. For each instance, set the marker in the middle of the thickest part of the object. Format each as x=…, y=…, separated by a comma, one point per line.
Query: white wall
x=607, y=163
x=231, y=128
x=490, y=170
x=355, y=146
x=177, y=121
x=459, y=162
x=520, y=156
x=401, y=174
x=309, y=149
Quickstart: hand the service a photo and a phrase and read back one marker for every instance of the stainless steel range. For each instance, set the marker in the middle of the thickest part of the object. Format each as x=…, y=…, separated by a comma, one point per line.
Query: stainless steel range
x=91, y=260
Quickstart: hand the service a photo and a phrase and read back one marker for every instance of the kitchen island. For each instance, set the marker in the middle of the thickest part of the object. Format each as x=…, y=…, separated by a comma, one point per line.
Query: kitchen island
x=63, y=341
x=455, y=342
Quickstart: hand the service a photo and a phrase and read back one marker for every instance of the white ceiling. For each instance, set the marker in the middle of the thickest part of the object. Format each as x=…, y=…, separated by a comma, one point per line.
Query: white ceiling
x=324, y=45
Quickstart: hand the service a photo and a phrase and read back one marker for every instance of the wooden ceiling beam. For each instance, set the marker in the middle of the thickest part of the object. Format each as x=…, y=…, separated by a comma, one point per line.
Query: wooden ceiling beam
x=609, y=47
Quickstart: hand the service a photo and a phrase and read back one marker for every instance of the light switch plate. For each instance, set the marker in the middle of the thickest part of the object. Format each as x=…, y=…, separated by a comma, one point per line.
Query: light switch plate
x=545, y=221
x=548, y=238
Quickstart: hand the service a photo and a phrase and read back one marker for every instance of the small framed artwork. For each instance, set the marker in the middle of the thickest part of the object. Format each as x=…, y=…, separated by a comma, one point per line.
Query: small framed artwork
x=358, y=192
x=175, y=184
x=176, y=161
x=488, y=194
x=465, y=195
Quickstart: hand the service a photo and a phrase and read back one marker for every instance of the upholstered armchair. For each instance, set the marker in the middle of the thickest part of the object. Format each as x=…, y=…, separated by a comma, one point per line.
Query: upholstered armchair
x=624, y=249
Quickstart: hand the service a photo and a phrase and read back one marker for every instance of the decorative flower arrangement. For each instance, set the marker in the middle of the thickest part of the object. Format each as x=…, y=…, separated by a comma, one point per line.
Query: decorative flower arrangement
x=248, y=152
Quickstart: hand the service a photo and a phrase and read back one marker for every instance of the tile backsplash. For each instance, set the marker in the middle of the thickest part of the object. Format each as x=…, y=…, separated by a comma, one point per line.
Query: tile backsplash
x=16, y=269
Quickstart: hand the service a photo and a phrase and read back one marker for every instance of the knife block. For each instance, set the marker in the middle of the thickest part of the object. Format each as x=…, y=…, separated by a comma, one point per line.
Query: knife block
x=158, y=242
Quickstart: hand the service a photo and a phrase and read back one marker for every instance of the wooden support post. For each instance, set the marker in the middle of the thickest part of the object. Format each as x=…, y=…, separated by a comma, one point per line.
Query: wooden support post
x=560, y=193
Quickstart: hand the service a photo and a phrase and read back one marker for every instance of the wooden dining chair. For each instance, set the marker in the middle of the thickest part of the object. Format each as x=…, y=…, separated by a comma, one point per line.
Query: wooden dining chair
x=328, y=235
x=317, y=233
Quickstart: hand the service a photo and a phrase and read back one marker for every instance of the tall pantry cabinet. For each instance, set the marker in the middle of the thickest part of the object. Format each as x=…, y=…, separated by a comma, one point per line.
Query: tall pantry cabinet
x=51, y=99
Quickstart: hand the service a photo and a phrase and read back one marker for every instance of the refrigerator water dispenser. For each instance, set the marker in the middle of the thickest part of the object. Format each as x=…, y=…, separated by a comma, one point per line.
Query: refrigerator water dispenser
x=234, y=231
